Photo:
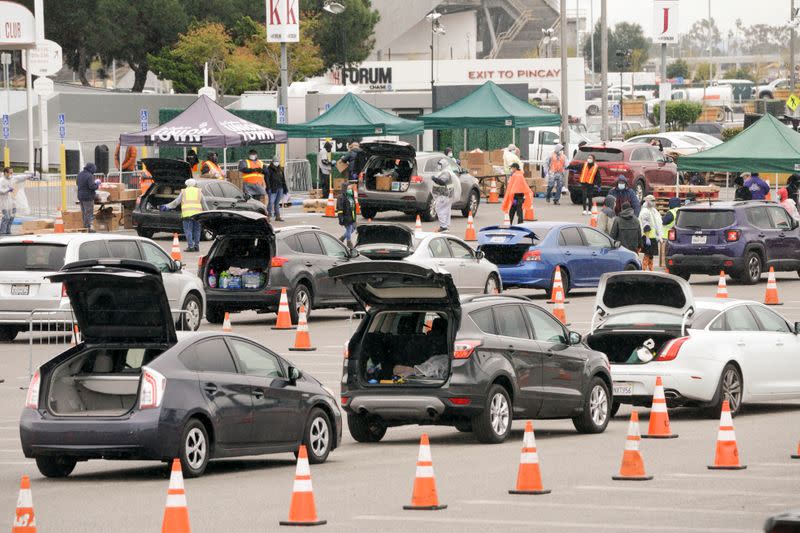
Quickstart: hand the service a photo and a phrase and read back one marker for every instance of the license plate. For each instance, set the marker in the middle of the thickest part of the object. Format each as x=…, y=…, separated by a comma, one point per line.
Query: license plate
x=699, y=239
x=498, y=239
x=623, y=389
x=20, y=290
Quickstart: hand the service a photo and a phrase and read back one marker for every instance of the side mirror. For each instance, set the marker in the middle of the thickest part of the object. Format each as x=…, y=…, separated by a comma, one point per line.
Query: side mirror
x=177, y=266
x=353, y=253
x=294, y=374
x=575, y=338
x=617, y=244
x=479, y=255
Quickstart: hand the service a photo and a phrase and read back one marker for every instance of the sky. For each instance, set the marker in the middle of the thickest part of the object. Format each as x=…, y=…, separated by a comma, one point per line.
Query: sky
x=724, y=12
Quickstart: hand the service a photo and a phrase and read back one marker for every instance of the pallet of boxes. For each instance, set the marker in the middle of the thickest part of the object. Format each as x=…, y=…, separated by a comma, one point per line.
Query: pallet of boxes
x=486, y=166
x=316, y=203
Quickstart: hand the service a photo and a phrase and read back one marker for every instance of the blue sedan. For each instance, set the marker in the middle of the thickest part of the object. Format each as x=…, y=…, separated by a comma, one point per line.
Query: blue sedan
x=527, y=254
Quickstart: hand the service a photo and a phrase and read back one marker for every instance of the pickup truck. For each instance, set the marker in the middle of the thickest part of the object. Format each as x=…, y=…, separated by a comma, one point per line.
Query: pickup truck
x=543, y=139
x=767, y=92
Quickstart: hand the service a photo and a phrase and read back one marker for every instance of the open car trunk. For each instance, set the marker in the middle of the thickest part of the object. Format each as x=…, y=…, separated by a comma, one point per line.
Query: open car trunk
x=384, y=241
x=630, y=346
x=162, y=194
x=506, y=246
x=388, y=174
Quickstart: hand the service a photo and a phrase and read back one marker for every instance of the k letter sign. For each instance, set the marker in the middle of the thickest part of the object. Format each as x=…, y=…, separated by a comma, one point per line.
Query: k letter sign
x=283, y=21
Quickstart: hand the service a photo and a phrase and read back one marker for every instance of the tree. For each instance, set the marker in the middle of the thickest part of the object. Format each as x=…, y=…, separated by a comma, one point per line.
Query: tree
x=702, y=36
x=702, y=72
x=678, y=69
x=739, y=74
x=344, y=38
x=680, y=114
x=202, y=43
x=624, y=36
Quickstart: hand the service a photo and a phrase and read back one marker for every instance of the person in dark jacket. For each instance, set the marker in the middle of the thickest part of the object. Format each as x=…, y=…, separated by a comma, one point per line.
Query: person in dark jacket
x=624, y=194
x=276, y=188
x=758, y=187
x=626, y=229
x=355, y=159
x=793, y=188
x=741, y=192
x=87, y=186
x=346, y=211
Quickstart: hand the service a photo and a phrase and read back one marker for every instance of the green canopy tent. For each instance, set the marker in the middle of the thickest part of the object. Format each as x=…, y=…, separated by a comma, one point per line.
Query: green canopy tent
x=353, y=117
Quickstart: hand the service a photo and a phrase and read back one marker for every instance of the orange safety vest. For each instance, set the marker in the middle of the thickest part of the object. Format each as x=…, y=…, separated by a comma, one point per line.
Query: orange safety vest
x=557, y=162
x=255, y=178
x=213, y=167
x=588, y=177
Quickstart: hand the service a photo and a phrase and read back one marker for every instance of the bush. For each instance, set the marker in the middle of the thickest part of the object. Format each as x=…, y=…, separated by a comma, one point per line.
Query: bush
x=680, y=114
x=643, y=131
x=730, y=133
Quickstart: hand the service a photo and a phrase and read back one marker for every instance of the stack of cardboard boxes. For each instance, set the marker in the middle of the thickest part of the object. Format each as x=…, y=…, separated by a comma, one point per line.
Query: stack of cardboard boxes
x=481, y=164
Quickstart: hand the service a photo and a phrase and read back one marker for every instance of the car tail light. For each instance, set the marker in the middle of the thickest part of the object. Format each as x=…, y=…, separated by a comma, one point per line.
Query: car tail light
x=619, y=169
x=672, y=235
x=346, y=351
x=459, y=401
x=671, y=349
x=463, y=349
x=278, y=261
x=202, y=261
x=152, y=390
x=63, y=290
x=532, y=255
x=416, y=179
x=32, y=399
x=732, y=235
x=345, y=399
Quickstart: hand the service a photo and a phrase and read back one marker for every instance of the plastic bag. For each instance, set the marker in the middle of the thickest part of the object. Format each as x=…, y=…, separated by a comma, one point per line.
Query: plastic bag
x=435, y=367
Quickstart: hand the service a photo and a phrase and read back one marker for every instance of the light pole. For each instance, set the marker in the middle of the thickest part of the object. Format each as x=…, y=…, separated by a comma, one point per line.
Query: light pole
x=436, y=29
x=337, y=8
x=793, y=23
x=623, y=61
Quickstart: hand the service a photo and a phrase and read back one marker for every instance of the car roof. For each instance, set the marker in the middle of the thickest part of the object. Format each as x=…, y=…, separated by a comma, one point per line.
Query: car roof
x=728, y=204
x=285, y=231
x=67, y=238
x=719, y=304
x=617, y=145
x=481, y=300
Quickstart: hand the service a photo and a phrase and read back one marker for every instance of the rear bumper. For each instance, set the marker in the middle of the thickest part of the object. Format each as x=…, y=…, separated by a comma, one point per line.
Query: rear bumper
x=415, y=407
x=266, y=299
x=60, y=309
x=681, y=385
x=704, y=264
x=410, y=200
x=527, y=274
x=157, y=221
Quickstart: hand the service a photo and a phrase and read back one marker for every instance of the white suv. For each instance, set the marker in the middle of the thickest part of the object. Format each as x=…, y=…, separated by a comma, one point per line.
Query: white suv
x=27, y=260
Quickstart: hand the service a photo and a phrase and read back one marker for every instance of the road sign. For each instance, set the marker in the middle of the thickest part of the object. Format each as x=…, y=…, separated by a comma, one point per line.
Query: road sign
x=144, y=116
x=615, y=110
x=5, y=58
x=281, y=114
x=283, y=21
x=43, y=86
x=793, y=102
x=6, y=127
x=46, y=59
x=62, y=132
x=62, y=126
x=665, y=21
x=61, y=119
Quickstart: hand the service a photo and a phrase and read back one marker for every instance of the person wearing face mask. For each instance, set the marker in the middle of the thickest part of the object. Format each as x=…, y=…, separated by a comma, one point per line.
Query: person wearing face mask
x=253, y=171
x=624, y=195
x=650, y=220
x=346, y=212
x=590, y=180
x=553, y=170
x=210, y=168
x=519, y=195
x=443, y=193
x=276, y=189
x=324, y=167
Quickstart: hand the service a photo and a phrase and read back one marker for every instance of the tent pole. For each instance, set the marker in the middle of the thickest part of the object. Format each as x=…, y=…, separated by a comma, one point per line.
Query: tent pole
x=465, y=139
x=225, y=160
x=513, y=136
x=727, y=178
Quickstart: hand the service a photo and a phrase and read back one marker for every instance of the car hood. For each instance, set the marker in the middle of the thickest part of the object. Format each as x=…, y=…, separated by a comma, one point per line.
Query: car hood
x=396, y=149
x=393, y=283
x=620, y=292
x=166, y=170
x=235, y=222
x=118, y=301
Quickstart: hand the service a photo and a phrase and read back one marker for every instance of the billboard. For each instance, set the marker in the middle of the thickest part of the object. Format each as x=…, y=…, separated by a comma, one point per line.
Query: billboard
x=283, y=21
x=665, y=21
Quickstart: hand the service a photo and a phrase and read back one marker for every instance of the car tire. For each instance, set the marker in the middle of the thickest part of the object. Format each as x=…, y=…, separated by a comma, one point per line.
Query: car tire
x=368, y=212
x=631, y=266
x=730, y=383
x=492, y=285
x=615, y=405
x=681, y=274
x=576, y=197
x=146, y=233
x=753, y=268
x=301, y=295
x=365, y=429
x=641, y=190
x=8, y=333
x=318, y=436
x=195, y=449
x=56, y=467
x=215, y=314
x=493, y=424
x=593, y=110
x=596, y=408
x=473, y=201
x=193, y=313
x=429, y=213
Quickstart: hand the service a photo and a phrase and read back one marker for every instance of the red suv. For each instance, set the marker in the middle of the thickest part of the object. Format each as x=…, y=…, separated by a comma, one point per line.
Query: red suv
x=644, y=166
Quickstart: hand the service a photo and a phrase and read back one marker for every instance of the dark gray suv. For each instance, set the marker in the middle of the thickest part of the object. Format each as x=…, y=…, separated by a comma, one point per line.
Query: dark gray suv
x=421, y=356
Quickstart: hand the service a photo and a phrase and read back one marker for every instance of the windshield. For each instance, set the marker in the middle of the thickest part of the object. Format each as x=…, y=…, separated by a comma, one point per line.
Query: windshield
x=691, y=140
x=704, y=219
x=644, y=319
x=600, y=154
x=31, y=256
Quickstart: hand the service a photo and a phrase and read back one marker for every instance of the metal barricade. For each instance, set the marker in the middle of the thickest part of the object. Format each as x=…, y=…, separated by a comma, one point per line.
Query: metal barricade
x=298, y=175
x=48, y=327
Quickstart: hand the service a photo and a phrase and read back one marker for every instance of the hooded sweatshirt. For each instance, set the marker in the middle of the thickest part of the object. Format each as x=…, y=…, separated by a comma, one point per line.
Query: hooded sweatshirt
x=626, y=230
x=606, y=217
x=85, y=182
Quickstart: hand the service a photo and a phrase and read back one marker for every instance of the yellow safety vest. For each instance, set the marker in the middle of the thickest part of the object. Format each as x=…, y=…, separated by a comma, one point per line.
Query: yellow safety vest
x=191, y=203
x=255, y=178
x=667, y=227
x=213, y=167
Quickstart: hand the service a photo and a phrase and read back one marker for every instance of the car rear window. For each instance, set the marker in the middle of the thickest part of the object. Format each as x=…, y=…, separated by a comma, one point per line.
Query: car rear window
x=31, y=256
x=705, y=219
x=600, y=154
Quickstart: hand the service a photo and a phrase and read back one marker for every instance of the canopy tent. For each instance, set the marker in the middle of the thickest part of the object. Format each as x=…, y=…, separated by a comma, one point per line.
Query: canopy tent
x=208, y=124
x=489, y=106
x=766, y=146
x=353, y=117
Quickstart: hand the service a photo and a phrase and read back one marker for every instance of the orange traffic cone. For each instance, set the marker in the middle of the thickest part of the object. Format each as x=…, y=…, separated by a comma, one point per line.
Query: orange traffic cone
x=558, y=287
x=506, y=220
x=529, y=215
x=722, y=286
x=302, y=341
x=175, y=253
x=593, y=218
x=494, y=198
x=24, y=519
x=176, y=514
x=771, y=296
x=302, y=510
x=632, y=463
x=418, y=226
x=424, y=497
x=796, y=455
x=58, y=227
x=529, y=478
x=469, y=235
x=330, y=207
x=355, y=197
x=727, y=456
x=75, y=335
x=659, y=418
x=284, y=318
x=226, y=324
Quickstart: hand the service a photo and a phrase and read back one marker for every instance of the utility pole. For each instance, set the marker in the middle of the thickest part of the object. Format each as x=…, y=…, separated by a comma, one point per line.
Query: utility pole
x=564, y=96
x=792, y=74
x=604, y=69
x=662, y=123
x=284, y=94
x=591, y=35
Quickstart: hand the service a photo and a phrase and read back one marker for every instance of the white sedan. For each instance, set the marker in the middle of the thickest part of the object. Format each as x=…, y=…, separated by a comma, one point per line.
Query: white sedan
x=471, y=271
x=706, y=350
x=673, y=141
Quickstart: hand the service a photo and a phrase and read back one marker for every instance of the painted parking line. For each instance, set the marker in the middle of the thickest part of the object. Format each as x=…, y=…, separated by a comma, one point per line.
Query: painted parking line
x=699, y=492
x=598, y=507
x=742, y=477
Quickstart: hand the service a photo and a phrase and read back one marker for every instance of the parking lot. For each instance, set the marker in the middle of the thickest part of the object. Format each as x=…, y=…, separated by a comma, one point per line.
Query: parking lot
x=363, y=487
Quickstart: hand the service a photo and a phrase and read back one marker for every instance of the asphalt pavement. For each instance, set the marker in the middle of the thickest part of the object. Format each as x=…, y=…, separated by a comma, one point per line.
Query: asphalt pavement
x=363, y=487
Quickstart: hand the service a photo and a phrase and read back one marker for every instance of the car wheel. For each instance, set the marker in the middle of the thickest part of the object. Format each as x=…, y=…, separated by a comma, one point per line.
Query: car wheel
x=429, y=213
x=192, y=313
x=215, y=314
x=593, y=110
x=56, y=466
x=365, y=429
x=615, y=405
x=493, y=425
x=367, y=212
x=492, y=285
x=195, y=449
x=318, y=436
x=301, y=297
x=8, y=333
x=631, y=266
x=472, y=203
x=564, y=282
x=576, y=197
x=146, y=233
x=641, y=190
x=729, y=388
x=596, y=408
x=680, y=273
x=752, y=269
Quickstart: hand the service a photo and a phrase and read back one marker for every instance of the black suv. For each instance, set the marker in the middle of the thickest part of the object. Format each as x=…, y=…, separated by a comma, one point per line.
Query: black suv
x=422, y=356
x=249, y=263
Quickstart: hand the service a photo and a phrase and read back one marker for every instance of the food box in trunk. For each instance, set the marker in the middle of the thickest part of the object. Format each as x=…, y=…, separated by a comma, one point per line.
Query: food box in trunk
x=383, y=183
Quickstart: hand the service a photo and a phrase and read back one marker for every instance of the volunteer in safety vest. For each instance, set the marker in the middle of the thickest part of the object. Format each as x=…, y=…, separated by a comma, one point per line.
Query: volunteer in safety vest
x=210, y=168
x=554, y=171
x=667, y=222
x=590, y=180
x=191, y=202
x=252, y=170
x=145, y=180
x=650, y=221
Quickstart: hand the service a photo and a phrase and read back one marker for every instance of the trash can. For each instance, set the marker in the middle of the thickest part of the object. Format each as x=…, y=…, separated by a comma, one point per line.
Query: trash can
x=73, y=159
x=101, y=158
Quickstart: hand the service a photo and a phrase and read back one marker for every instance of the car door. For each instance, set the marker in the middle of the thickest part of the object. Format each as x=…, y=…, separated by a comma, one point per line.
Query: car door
x=276, y=400
x=740, y=335
x=663, y=169
x=562, y=365
x=471, y=278
x=576, y=256
x=336, y=251
x=780, y=371
x=644, y=165
x=232, y=195
x=523, y=352
x=228, y=393
x=442, y=257
x=317, y=263
x=213, y=196
x=603, y=256
x=173, y=279
x=759, y=217
x=787, y=244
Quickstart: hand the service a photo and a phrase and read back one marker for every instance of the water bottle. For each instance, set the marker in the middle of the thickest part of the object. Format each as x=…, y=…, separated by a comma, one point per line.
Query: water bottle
x=212, y=279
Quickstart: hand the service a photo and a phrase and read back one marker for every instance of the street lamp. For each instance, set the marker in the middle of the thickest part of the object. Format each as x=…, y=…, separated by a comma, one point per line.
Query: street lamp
x=333, y=7
x=436, y=29
x=623, y=61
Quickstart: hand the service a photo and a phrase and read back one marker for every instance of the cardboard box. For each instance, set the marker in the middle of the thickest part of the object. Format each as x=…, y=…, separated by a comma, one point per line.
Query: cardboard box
x=496, y=157
x=235, y=177
x=72, y=219
x=539, y=185
x=113, y=189
x=383, y=183
x=126, y=195
x=34, y=226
